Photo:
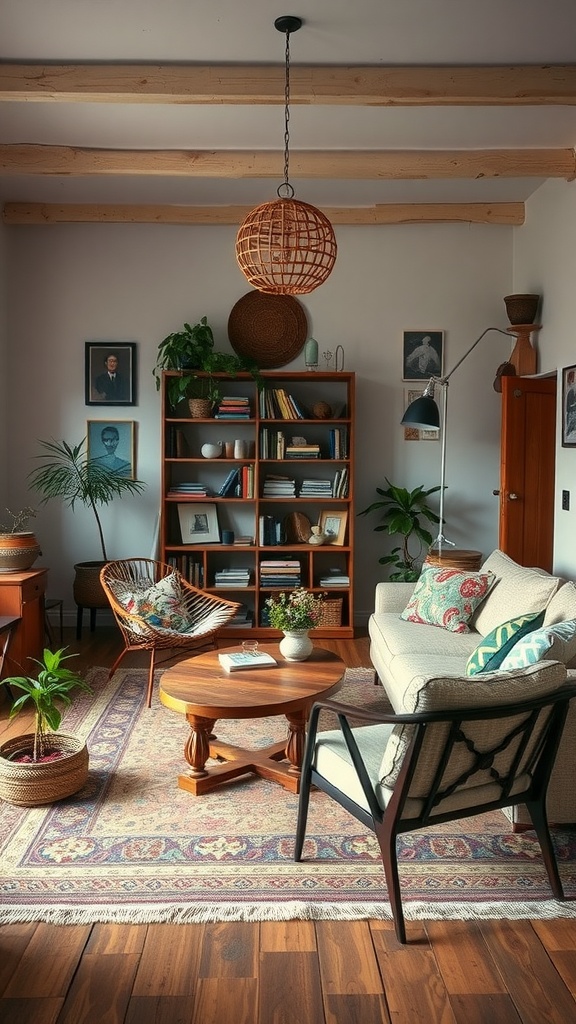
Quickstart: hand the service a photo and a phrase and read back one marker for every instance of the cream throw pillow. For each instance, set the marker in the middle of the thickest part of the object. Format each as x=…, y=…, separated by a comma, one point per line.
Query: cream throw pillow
x=517, y=591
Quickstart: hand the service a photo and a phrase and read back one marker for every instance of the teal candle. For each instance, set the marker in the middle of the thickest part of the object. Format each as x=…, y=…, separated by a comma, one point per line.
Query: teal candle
x=311, y=352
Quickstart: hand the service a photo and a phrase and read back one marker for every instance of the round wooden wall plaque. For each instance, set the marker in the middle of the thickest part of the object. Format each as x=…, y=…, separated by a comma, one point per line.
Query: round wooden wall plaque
x=270, y=329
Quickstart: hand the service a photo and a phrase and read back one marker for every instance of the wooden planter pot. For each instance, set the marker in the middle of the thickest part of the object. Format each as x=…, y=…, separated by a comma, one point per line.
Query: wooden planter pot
x=29, y=784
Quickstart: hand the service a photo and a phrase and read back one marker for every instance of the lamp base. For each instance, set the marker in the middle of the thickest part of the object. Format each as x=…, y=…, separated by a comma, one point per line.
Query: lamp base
x=455, y=558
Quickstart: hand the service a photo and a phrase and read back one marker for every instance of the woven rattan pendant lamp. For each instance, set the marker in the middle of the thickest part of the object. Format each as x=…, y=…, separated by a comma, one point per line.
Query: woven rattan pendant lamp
x=286, y=247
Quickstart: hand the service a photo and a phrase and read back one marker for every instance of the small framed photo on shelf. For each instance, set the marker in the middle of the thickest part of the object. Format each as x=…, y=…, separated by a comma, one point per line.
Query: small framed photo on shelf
x=111, y=444
x=422, y=354
x=569, y=407
x=414, y=433
x=199, y=523
x=110, y=373
x=333, y=526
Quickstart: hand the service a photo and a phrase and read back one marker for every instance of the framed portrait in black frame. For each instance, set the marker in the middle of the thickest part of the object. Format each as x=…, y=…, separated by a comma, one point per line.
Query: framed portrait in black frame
x=422, y=354
x=110, y=373
x=569, y=407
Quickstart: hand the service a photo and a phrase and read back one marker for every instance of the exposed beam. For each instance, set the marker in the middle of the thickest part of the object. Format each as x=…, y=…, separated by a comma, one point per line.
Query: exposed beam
x=336, y=164
x=361, y=85
x=393, y=213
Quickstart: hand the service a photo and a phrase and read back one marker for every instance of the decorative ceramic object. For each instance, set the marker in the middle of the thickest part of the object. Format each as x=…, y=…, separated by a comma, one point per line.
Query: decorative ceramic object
x=240, y=449
x=311, y=354
x=18, y=551
x=212, y=451
x=521, y=309
x=296, y=645
x=317, y=536
x=321, y=411
x=339, y=359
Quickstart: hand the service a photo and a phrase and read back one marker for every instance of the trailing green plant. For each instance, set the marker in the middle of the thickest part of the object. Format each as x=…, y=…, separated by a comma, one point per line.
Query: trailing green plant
x=52, y=686
x=19, y=520
x=193, y=349
x=295, y=609
x=69, y=474
x=402, y=513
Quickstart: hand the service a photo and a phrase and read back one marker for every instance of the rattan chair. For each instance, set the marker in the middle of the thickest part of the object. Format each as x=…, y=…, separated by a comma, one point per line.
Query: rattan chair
x=454, y=764
x=203, y=613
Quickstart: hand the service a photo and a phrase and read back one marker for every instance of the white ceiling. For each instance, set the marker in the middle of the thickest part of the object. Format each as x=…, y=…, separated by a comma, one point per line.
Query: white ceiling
x=340, y=32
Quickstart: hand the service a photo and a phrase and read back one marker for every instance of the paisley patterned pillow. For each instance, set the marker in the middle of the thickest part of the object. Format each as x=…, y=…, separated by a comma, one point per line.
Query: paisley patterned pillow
x=447, y=597
x=159, y=604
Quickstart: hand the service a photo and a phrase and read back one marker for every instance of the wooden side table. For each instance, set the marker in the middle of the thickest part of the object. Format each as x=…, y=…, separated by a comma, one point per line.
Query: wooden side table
x=456, y=558
x=22, y=596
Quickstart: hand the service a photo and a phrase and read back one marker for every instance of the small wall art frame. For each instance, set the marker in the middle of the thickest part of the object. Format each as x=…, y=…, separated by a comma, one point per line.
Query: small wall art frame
x=414, y=433
x=422, y=354
x=199, y=523
x=112, y=444
x=333, y=526
x=569, y=407
x=110, y=373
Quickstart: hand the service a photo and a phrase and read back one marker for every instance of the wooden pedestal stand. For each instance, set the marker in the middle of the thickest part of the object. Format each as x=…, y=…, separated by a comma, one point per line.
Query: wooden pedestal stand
x=523, y=356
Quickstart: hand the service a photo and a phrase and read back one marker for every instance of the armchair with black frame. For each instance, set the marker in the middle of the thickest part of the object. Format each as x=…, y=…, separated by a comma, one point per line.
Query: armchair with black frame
x=441, y=765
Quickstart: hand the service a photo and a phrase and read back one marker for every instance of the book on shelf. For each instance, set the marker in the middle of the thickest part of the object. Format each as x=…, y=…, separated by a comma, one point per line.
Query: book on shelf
x=236, y=660
x=228, y=488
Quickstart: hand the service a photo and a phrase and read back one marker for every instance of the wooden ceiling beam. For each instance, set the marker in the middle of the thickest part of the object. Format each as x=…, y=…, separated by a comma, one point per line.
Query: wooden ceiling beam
x=385, y=213
x=363, y=165
x=508, y=85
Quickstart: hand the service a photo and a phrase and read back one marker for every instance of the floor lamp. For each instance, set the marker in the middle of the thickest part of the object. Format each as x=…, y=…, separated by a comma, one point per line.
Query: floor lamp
x=424, y=414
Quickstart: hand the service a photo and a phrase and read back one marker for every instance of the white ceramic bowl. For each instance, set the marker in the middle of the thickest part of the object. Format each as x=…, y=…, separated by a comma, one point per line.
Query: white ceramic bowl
x=211, y=451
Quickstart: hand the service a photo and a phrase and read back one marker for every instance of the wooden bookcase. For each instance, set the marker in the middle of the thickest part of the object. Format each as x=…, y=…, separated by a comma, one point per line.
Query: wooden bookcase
x=254, y=513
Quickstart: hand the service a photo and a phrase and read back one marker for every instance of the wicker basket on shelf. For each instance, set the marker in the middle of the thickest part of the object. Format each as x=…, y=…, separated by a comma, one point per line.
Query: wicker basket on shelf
x=331, y=612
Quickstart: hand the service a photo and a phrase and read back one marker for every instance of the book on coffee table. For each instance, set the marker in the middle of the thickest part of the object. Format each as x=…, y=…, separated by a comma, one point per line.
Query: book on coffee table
x=235, y=660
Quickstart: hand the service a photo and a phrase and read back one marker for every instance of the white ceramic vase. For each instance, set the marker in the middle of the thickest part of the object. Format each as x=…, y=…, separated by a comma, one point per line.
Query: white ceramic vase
x=296, y=645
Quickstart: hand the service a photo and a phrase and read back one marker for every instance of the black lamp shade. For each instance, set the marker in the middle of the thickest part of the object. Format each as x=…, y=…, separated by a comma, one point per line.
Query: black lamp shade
x=422, y=413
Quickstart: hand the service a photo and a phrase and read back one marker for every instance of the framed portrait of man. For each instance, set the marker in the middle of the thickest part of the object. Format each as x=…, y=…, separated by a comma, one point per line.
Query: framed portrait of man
x=111, y=444
x=422, y=354
x=569, y=407
x=110, y=373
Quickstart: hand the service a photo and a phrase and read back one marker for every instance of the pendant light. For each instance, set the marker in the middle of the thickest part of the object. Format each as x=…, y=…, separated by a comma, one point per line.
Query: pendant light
x=286, y=247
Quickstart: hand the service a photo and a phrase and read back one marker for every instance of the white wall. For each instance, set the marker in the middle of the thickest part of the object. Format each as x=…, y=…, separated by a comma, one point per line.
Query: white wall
x=3, y=376
x=545, y=262
x=69, y=284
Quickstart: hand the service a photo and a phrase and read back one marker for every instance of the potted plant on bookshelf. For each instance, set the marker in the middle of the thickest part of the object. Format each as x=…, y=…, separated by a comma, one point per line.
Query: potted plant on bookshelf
x=402, y=511
x=193, y=349
x=46, y=765
x=19, y=548
x=67, y=473
x=295, y=612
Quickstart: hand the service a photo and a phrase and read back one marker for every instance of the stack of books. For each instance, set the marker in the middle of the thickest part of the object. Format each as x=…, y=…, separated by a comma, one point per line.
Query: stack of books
x=335, y=578
x=280, y=572
x=340, y=484
x=190, y=490
x=316, y=489
x=233, y=407
x=236, y=577
x=270, y=532
x=276, y=486
x=303, y=451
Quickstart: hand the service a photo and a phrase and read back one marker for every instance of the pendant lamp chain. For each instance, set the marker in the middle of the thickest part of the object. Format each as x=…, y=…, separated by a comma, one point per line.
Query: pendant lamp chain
x=286, y=191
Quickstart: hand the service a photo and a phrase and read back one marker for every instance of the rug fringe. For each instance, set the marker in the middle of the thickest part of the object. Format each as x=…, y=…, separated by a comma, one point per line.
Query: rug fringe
x=209, y=914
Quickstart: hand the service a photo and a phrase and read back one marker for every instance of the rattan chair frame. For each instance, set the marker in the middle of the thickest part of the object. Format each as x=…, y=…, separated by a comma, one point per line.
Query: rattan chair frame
x=208, y=612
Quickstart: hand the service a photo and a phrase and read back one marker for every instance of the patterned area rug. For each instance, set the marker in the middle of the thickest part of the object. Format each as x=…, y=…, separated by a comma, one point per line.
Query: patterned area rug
x=132, y=846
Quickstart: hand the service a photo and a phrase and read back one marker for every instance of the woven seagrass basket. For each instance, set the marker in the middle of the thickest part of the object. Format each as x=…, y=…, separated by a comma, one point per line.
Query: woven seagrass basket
x=331, y=612
x=29, y=784
x=200, y=408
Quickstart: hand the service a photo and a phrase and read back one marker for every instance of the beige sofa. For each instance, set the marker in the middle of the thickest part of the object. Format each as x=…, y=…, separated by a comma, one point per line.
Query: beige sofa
x=408, y=655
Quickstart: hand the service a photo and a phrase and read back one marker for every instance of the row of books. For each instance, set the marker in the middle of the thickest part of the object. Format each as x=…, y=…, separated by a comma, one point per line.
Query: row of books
x=316, y=489
x=338, y=443
x=189, y=567
x=280, y=572
x=232, y=577
x=278, y=404
x=233, y=407
x=270, y=531
x=239, y=483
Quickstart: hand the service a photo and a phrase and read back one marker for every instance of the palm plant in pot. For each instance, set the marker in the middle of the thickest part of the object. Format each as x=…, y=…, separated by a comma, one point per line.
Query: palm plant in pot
x=66, y=472
x=402, y=513
x=46, y=765
x=19, y=548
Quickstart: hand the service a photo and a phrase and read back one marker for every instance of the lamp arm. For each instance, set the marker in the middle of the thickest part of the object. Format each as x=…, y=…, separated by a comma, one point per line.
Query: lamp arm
x=466, y=354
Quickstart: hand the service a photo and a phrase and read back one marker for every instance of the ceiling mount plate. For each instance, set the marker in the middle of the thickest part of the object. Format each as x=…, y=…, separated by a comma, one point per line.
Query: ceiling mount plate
x=288, y=23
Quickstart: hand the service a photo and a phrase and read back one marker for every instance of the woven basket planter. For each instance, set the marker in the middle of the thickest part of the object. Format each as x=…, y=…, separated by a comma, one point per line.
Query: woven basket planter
x=30, y=785
x=200, y=408
x=522, y=309
x=87, y=589
x=18, y=551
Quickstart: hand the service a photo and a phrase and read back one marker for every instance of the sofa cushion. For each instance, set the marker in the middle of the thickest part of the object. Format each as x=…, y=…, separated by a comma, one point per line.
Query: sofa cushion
x=553, y=643
x=444, y=694
x=517, y=591
x=563, y=605
x=447, y=597
x=494, y=648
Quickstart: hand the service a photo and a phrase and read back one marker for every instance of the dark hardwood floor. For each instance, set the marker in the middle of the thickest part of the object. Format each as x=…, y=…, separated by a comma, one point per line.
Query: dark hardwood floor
x=293, y=972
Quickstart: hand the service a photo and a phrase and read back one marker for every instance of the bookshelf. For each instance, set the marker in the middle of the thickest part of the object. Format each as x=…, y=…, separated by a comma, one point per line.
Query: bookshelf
x=285, y=463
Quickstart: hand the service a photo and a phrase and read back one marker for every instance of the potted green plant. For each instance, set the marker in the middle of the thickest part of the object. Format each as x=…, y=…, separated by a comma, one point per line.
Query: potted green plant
x=19, y=548
x=46, y=765
x=402, y=511
x=193, y=349
x=67, y=473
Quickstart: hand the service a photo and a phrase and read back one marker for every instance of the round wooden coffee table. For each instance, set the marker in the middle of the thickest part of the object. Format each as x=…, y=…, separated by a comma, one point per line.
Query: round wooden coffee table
x=203, y=691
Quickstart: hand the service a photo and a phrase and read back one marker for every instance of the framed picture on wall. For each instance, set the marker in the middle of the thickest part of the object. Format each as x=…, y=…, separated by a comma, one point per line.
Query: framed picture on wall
x=422, y=354
x=414, y=433
x=333, y=526
x=110, y=373
x=569, y=407
x=199, y=523
x=111, y=443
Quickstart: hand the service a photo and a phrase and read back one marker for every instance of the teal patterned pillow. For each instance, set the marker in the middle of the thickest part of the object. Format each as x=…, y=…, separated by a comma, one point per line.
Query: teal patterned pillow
x=551, y=643
x=159, y=604
x=494, y=648
x=447, y=597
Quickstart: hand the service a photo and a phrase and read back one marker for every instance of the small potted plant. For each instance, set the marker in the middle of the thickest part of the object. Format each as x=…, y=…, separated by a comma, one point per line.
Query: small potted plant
x=402, y=511
x=46, y=765
x=19, y=548
x=295, y=612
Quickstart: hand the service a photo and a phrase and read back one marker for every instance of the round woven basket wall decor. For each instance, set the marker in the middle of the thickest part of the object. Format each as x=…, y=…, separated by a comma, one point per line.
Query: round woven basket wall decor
x=270, y=329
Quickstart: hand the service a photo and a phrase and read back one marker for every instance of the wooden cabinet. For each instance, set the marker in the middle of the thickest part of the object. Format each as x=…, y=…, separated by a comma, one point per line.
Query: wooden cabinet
x=289, y=460
x=22, y=594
